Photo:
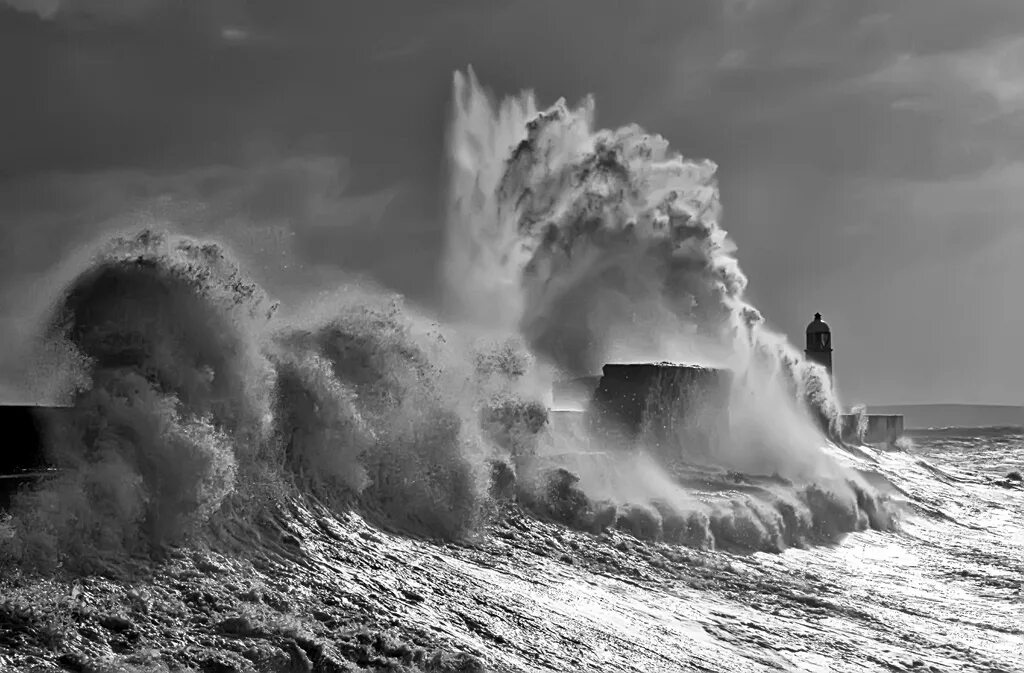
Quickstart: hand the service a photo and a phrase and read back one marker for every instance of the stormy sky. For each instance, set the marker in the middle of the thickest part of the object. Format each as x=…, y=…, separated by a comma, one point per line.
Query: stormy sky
x=871, y=153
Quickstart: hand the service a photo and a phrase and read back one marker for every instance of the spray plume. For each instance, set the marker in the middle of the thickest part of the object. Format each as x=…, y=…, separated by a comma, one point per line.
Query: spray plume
x=195, y=398
x=600, y=245
x=604, y=246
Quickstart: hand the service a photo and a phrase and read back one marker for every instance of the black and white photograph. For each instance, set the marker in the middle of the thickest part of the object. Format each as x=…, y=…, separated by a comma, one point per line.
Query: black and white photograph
x=511, y=336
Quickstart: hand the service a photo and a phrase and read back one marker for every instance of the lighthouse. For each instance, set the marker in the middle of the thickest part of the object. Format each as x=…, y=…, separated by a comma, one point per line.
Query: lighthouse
x=819, y=343
x=854, y=428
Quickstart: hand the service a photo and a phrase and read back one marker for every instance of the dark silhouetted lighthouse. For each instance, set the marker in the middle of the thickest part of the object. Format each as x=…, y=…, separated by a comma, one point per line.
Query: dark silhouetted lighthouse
x=819, y=343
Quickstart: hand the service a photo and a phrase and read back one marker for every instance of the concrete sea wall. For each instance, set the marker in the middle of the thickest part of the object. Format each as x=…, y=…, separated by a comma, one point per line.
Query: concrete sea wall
x=674, y=411
x=877, y=428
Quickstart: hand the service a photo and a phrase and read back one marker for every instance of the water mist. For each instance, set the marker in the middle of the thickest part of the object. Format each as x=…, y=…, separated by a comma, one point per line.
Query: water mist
x=598, y=245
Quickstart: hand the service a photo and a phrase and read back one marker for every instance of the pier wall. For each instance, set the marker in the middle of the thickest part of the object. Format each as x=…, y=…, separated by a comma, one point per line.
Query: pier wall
x=878, y=429
x=674, y=411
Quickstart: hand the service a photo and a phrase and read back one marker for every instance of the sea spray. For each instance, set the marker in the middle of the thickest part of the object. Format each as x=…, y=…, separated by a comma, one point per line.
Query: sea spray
x=380, y=406
x=200, y=394
x=705, y=507
x=602, y=244
x=595, y=243
x=165, y=330
x=375, y=399
x=860, y=413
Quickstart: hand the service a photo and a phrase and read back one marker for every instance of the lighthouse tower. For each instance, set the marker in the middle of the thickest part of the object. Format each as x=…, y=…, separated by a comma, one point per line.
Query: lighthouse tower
x=819, y=343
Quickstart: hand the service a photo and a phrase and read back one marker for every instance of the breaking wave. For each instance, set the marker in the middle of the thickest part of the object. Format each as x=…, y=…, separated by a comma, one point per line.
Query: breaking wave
x=199, y=399
x=600, y=245
x=603, y=246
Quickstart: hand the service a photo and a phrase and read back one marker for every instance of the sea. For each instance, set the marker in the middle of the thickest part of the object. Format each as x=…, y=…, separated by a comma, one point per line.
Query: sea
x=940, y=592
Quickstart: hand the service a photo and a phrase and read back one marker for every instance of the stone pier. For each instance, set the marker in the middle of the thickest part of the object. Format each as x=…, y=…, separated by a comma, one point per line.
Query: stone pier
x=877, y=429
x=674, y=411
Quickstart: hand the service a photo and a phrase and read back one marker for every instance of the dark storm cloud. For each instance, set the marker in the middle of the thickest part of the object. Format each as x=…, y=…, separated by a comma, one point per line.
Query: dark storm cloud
x=106, y=83
x=804, y=82
x=95, y=14
x=274, y=208
x=102, y=9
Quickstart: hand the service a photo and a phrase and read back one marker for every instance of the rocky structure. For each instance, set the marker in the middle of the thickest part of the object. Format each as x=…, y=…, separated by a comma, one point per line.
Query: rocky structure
x=672, y=410
x=871, y=428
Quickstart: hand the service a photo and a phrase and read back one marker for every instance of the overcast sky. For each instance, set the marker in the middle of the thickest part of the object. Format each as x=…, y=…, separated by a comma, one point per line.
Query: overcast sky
x=871, y=153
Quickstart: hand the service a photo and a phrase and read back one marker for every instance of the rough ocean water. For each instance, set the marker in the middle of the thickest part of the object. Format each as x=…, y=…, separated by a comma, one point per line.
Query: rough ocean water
x=359, y=484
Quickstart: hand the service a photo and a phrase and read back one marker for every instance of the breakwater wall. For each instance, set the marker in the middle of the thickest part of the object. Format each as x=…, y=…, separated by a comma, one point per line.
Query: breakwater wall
x=674, y=411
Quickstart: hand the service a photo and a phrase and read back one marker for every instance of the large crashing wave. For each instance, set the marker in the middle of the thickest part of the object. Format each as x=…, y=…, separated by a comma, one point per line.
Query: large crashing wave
x=605, y=246
x=599, y=245
x=176, y=399
x=378, y=406
x=202, y=399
